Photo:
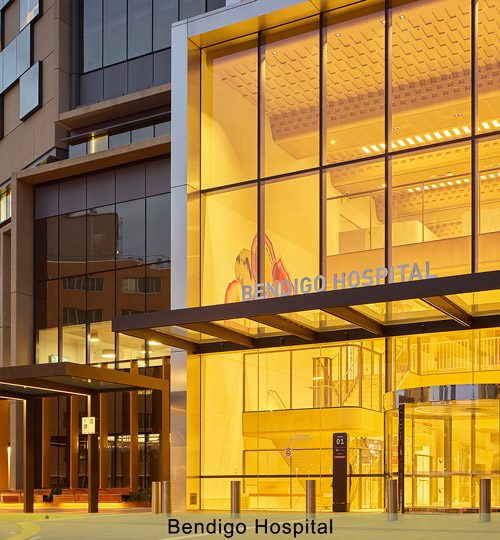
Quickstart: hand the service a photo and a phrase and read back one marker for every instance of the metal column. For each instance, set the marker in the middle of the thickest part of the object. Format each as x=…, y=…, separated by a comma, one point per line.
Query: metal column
x=484, y=500
x=311, y=498
x=392, y=500
x=93, y=406
x=235, y=498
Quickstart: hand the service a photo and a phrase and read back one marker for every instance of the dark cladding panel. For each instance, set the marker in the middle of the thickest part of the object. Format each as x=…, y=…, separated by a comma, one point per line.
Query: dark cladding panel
x=91, y=87
x=72, y=196
x=101, y=189
x=130, y=182
x=161, y=67
x=47, y=201
x=158, y=176
x=115, y=81
x=140, y=73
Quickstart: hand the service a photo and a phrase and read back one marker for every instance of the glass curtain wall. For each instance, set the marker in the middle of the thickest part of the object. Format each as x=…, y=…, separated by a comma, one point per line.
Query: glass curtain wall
x=102, y=248
x=267, y=418
x=374, y=149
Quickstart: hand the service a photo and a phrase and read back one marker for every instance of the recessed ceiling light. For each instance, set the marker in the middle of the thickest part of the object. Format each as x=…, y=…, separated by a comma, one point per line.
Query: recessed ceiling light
x=458, y=115
x=332, y=141
x=401, y=17
x=338, y=34
x=275, y=52
x=396, y=128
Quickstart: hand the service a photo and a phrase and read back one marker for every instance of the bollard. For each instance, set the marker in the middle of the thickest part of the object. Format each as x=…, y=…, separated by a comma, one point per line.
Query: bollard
x=155, y=497
x=166, y=497
x=392, y=500
x=484, y=500
x=235, y=498
x=310, y=498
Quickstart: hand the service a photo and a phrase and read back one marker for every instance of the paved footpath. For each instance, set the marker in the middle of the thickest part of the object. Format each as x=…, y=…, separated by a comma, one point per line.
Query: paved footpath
x=144, y=526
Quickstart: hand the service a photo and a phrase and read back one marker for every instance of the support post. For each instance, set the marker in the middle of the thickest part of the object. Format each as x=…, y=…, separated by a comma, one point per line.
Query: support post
x=392, y=500
x=235, y=498
x=310, y=498
x=164, y=464
x=46, y=417
x=74, y=431
x=93, y=406
x=134, y=433
x=155, y=497
x=29, y=455
x=4, y=443
x=485, y=500
x=103, y=441
x=166, y=497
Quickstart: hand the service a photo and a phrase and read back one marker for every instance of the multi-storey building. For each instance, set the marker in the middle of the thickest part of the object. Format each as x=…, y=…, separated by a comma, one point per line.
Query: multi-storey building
x=286, y=209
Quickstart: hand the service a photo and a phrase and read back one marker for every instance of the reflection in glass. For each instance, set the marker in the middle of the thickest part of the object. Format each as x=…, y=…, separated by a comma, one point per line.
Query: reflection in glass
x=30, y=97
x=131, y=232
x=46, y=248
x=46, y=324
x=101, y=238
x=158, y=228
x=290, y=129
x=72, y=244
x=28, y=10
x=229, y=113
x=73, y=319
x=23, y=53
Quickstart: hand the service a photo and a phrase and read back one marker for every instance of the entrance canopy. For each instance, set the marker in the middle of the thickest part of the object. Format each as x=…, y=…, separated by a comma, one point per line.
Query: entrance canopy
x=431, y=305
x=45, y=380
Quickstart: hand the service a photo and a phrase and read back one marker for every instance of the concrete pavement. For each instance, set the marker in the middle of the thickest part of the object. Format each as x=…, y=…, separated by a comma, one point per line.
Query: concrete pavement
x=150, y=527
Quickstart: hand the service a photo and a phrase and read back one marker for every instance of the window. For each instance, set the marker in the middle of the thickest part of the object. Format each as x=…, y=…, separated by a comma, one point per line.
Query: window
x=355, y=90
x=431, y=210
x=139, y=28
x=30, y=98
x=28, y=10
x=165, y=12
x=114, y=31
x=83, y=284
x=229, y=240
x=431, y=72
x=141, y=285
x=5, y=202
x=290, y=129
x=229, y=126
x=92, y=34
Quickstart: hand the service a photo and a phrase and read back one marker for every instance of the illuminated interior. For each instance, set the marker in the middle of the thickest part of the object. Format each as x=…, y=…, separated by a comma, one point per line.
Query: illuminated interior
x=313, y=163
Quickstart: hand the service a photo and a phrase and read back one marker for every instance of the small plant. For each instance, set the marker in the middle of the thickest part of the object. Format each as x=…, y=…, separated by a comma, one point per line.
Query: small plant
x=142, y=495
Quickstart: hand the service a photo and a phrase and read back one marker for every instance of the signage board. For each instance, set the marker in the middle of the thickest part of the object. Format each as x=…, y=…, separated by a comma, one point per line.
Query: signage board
x=339, y=484
x=88, y=425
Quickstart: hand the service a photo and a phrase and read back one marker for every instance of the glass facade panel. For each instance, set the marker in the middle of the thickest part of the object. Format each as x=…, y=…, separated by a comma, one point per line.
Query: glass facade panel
x=72, y=244
x=431, y=211
x=139, y=20
x=488, y=179
x=229, y=260
x=114, y=31
x=355, y=88
x=355, y=222
x=229, y=102
x=431, y=71
x=292, y=228
x=102, y=226
x=30, y=93
x=92, y=34
x=488, y=75
x=290, y=100
x=165, y=12
x=190, y=8
x=46, y=322
x=28, y=10
x=130, y=248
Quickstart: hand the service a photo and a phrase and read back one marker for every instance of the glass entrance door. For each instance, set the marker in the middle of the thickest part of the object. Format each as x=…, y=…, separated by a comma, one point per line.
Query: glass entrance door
x=448, y=447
